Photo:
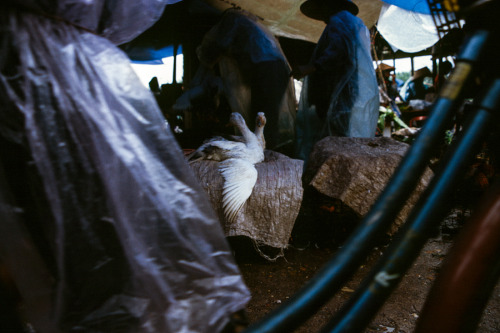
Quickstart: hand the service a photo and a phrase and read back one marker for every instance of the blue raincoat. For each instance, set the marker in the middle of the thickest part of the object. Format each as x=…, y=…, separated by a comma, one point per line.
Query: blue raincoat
x=341, y=97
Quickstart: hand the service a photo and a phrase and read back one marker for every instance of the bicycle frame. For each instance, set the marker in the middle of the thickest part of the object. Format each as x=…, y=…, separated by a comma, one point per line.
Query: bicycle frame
x=427, y=214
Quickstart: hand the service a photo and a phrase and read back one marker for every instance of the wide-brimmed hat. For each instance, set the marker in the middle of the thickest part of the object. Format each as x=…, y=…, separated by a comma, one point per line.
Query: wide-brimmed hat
x=384, y=67
x=315, y=9
x=422, y=72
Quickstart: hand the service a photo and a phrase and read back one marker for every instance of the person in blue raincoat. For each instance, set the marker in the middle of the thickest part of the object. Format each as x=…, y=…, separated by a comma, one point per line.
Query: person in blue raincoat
x=254, y=75
x=340, y=94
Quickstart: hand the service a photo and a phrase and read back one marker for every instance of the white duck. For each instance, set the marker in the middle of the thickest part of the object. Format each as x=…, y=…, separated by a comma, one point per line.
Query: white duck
x=238, y=159
x=244, y=147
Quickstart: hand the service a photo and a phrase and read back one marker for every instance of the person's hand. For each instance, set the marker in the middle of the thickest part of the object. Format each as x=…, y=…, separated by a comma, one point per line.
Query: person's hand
x=183, y=102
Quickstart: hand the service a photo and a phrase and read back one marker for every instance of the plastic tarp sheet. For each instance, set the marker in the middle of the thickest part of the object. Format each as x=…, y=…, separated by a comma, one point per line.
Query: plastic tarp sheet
x=117, y=21
x=407, y=30
x=103, y=226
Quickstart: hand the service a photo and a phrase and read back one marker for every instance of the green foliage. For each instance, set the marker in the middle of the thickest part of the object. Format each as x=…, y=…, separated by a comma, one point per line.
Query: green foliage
x=403, y=75
x=448, y=136
x=386, y=115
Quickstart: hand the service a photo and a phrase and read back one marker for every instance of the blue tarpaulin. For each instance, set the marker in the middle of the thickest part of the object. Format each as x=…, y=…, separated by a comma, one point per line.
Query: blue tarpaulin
x=152, y=56
x=419, y=6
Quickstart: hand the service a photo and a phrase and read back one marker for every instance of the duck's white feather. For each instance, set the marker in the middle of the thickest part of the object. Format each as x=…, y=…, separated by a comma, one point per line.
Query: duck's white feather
x=240, y=177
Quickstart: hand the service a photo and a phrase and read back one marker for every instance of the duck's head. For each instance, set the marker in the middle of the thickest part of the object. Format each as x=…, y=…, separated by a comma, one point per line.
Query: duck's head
x=236, y=119
x=235, y=116
x=260, y=121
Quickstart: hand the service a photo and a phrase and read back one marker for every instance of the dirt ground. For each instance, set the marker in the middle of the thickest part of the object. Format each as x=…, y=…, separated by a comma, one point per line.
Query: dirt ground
x=272, y=283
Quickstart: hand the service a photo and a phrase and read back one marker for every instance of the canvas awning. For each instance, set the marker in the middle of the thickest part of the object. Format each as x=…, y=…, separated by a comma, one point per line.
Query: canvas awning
x=285, y=19
x=406, y=25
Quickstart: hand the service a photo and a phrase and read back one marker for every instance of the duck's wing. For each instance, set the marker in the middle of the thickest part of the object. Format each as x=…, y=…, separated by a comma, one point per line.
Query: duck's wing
x=217, y=150
x=240, y=177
